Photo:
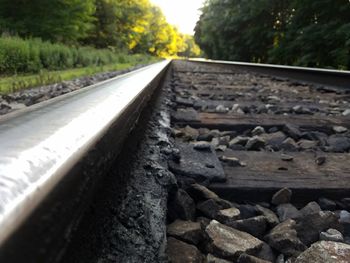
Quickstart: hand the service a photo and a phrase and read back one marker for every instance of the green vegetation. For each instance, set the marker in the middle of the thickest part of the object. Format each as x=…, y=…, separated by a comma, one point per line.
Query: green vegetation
x=58, y=39
x=134, y=26
x=33, y=55
x=18, y=82
x=293, y=32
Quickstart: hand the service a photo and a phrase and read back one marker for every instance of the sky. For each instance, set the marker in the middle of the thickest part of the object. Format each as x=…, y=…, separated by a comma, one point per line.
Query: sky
x=182, y=13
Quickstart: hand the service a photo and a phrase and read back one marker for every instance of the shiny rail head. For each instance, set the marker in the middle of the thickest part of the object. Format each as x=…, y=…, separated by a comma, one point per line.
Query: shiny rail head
x=40, y=144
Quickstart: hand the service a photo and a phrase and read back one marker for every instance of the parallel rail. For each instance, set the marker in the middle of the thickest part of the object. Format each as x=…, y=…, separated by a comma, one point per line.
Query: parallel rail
x=330, y=77
x=47, y=149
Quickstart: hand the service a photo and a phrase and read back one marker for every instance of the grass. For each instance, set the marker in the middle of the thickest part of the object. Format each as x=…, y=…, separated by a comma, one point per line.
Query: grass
x=9, y=84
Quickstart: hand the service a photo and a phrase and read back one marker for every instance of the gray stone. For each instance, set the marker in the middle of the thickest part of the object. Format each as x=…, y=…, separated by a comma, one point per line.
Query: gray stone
x=198, y=165
x=201, y=146
x=245, y=258
x=215, y=142
x=307, y=144
x=292, y=131
x=346, y=202
x=282, y=196
x=273, y=129
x=332, y=235
x=248, y=211
x=310, y=208
x=224, y=140
x=320, y=137
x=289, y=145
x=310, y=226
x=203, y=221
x=239, y=140
x=346, y=112
x=255, y=226
x=274, y=99
x=227, y=216
x=287, y=211
x=181, y=252
x=209, y=208
x=215, y=133
x=327, y=204
x=177, y=133
x=221, y=109
x=266, y=253
x=284, y=239
x=182, y=206
x=271, y=107
x=185, y=115
x=190, y=133
x=274, y=139
x=255, y=143
x=205, y=137
x=235, y=107
x=228, y=133
x=320, y=160
x=258, y=130
x=187, y=231
x=287, y=158
x=270, y=216
x=221, y=148
x=302, y=110
x=229, y=243
x=338, y=143
x=339, y=129
x=326, y=252
x=200, y=192
x=344, y=219
x=224, y=204
x=212, y=259
x=184, y=102
x=232, y=161
x=280, y=258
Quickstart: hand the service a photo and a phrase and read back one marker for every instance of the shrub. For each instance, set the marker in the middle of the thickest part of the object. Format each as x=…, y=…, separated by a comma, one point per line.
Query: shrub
x=33, y=55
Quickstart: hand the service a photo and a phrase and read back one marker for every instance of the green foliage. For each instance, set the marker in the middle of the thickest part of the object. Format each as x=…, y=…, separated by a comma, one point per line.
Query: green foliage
x=137, y=26
x=294, y=32
x=191, y=49
x=48, y=33
x=33, y=55
x=56, y=20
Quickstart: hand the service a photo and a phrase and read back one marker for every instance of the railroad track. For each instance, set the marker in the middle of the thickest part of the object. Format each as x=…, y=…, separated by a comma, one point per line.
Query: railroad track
x=71, y=192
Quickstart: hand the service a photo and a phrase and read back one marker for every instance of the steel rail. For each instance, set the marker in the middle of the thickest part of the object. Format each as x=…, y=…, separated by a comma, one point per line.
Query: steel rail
x=40, y=145
x=330, y=77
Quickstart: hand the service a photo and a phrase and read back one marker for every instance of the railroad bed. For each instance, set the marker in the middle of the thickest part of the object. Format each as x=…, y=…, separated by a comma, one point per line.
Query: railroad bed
x=283, y=133
x=262, y=161
x=210, y=162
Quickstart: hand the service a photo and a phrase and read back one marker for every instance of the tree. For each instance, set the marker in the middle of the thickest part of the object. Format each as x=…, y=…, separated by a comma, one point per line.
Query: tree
x=157, y=36
x=190, y=49
x=56, y=20
x=318, y=35
x=295, y=32
x=118, y=22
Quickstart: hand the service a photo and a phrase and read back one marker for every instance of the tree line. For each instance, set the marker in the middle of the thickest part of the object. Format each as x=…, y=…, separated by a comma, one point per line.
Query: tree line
x=135, y=26
x=292, y=32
